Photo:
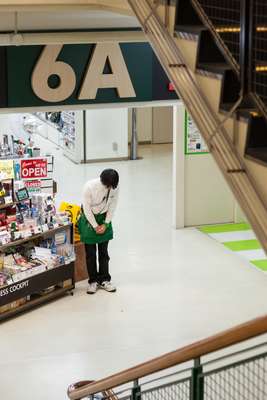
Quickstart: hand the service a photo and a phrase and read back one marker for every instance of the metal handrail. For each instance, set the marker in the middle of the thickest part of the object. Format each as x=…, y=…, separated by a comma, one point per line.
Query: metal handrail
x=224, y=151
x=193, y=351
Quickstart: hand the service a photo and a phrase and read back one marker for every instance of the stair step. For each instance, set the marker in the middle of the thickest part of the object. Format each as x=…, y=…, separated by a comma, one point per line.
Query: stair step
x=216, y=67
x=245, y=109
x=258, y=154
x=186, y=14
x=193, y=29
x=256, y=145
x=208, y=51
x=245, y=112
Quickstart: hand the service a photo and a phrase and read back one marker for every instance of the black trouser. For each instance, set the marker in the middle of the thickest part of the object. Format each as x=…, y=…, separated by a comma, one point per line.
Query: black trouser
x=103, y=260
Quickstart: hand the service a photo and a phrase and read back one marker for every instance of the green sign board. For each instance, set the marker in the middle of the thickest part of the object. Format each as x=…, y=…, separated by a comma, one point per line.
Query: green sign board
x=36, y=76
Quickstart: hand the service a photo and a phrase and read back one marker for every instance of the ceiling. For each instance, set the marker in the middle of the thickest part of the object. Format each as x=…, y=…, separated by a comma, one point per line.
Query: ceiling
x=64, y=20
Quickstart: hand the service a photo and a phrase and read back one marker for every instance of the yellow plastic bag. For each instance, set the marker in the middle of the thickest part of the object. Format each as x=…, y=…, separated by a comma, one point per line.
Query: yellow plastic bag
x=74, y=211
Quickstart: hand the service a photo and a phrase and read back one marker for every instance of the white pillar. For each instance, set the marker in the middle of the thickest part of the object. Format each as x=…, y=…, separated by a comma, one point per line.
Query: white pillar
x=178, y=166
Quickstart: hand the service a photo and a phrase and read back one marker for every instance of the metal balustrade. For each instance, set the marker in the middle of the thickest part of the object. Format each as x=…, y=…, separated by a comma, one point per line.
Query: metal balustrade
x=225, y=16
x=237, y=375
x=246, y=380
x=259, y=51
x=236, y=34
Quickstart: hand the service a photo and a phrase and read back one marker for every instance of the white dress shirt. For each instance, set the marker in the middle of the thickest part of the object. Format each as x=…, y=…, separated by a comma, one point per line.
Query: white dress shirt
x=95, y=201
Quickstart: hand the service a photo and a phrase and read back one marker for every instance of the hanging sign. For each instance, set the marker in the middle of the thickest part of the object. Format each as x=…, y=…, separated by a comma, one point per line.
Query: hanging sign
x=194, y=142
x=6, y=169
x=93, y=73
x=34, y=168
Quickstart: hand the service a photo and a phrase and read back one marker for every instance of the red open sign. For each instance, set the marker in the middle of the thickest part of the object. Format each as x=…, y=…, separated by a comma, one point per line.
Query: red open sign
x=34, y=168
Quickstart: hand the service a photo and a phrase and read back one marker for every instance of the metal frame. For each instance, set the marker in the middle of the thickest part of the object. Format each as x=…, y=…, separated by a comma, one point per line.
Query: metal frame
x=38, y=282
x=196, y=380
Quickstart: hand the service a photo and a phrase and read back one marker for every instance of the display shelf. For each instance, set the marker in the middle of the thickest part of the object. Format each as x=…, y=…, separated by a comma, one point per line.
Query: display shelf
x=38, y=273
x=32, y=287
x=14, y=203
x=59, y=292
x=3, y=206
x=33, y=237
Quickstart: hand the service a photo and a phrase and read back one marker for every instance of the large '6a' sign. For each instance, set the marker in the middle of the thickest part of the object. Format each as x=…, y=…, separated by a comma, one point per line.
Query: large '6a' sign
x=94, y=79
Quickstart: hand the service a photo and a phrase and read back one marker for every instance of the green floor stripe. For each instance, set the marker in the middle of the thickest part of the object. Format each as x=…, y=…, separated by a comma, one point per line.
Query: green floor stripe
x=261, y=264
x=243, y=245
x=225, y=228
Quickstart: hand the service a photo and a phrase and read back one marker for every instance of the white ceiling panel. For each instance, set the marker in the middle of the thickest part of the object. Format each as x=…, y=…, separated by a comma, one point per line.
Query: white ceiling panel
x=32, y=21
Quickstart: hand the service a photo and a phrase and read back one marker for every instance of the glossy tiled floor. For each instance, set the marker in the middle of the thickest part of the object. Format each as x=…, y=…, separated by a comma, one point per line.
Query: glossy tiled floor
x=173, y=287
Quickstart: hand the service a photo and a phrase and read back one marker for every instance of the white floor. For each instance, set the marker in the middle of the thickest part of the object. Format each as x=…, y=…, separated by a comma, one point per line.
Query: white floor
x=174, y=287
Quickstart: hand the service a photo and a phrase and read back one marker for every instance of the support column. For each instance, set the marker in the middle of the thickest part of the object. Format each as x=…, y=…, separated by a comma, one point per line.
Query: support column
x=178, y=166
x=134, y=139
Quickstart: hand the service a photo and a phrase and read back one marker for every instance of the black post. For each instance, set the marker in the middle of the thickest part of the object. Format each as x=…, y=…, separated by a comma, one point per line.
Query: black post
x=245, y=46
x=136, y=391
x=252, y=36
x=84, y=137
x=197, y=382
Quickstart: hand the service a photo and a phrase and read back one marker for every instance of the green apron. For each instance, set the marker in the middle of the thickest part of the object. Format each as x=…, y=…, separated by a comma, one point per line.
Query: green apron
x=87, y=232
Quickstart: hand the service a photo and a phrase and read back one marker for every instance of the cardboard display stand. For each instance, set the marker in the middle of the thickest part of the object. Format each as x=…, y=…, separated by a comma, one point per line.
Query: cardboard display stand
x=80, y=263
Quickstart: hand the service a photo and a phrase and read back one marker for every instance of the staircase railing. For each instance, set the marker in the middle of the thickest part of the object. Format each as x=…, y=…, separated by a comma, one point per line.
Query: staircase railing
x=208, y=122
x=224, y=22
x=200, y=371
x=240, y=31
x=259, y=53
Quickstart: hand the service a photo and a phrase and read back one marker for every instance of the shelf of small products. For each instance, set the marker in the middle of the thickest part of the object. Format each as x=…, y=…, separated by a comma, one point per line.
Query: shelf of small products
x=36, y=252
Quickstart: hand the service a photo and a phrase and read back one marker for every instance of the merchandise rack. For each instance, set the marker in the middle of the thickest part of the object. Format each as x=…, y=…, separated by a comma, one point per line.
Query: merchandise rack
x=62, y=277
x=32, y=238
x=3, y=206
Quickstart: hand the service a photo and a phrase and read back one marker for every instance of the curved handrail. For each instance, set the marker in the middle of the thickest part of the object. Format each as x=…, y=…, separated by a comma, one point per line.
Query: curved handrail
x=198, y=349
x=107, y=394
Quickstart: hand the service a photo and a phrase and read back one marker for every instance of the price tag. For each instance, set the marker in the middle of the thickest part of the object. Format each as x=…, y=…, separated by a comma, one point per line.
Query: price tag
x=26, y=234
x=8, y=200
x=45, y=228
x=17, y=235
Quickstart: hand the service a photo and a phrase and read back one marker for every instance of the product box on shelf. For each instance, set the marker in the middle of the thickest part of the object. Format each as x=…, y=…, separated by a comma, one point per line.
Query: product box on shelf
x=11, y=306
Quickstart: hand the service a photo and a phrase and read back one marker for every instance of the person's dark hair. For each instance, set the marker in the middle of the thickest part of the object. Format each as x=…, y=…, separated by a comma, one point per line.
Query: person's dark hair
x=110, y=178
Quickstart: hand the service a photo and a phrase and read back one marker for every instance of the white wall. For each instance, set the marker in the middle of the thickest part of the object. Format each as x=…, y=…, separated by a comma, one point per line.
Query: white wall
x=4, y=125
x=144, y=124
x=208, y=200
x=201, y=194
x=106, y=134
x=162, y=125
x=154, y=124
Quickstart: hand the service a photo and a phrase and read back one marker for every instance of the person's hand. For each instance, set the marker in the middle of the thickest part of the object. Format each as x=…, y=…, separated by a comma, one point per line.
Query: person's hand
x=101, y=229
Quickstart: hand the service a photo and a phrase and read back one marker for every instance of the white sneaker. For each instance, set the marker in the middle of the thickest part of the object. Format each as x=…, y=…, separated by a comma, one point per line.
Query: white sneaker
x=108, y=286
x=92, y=288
